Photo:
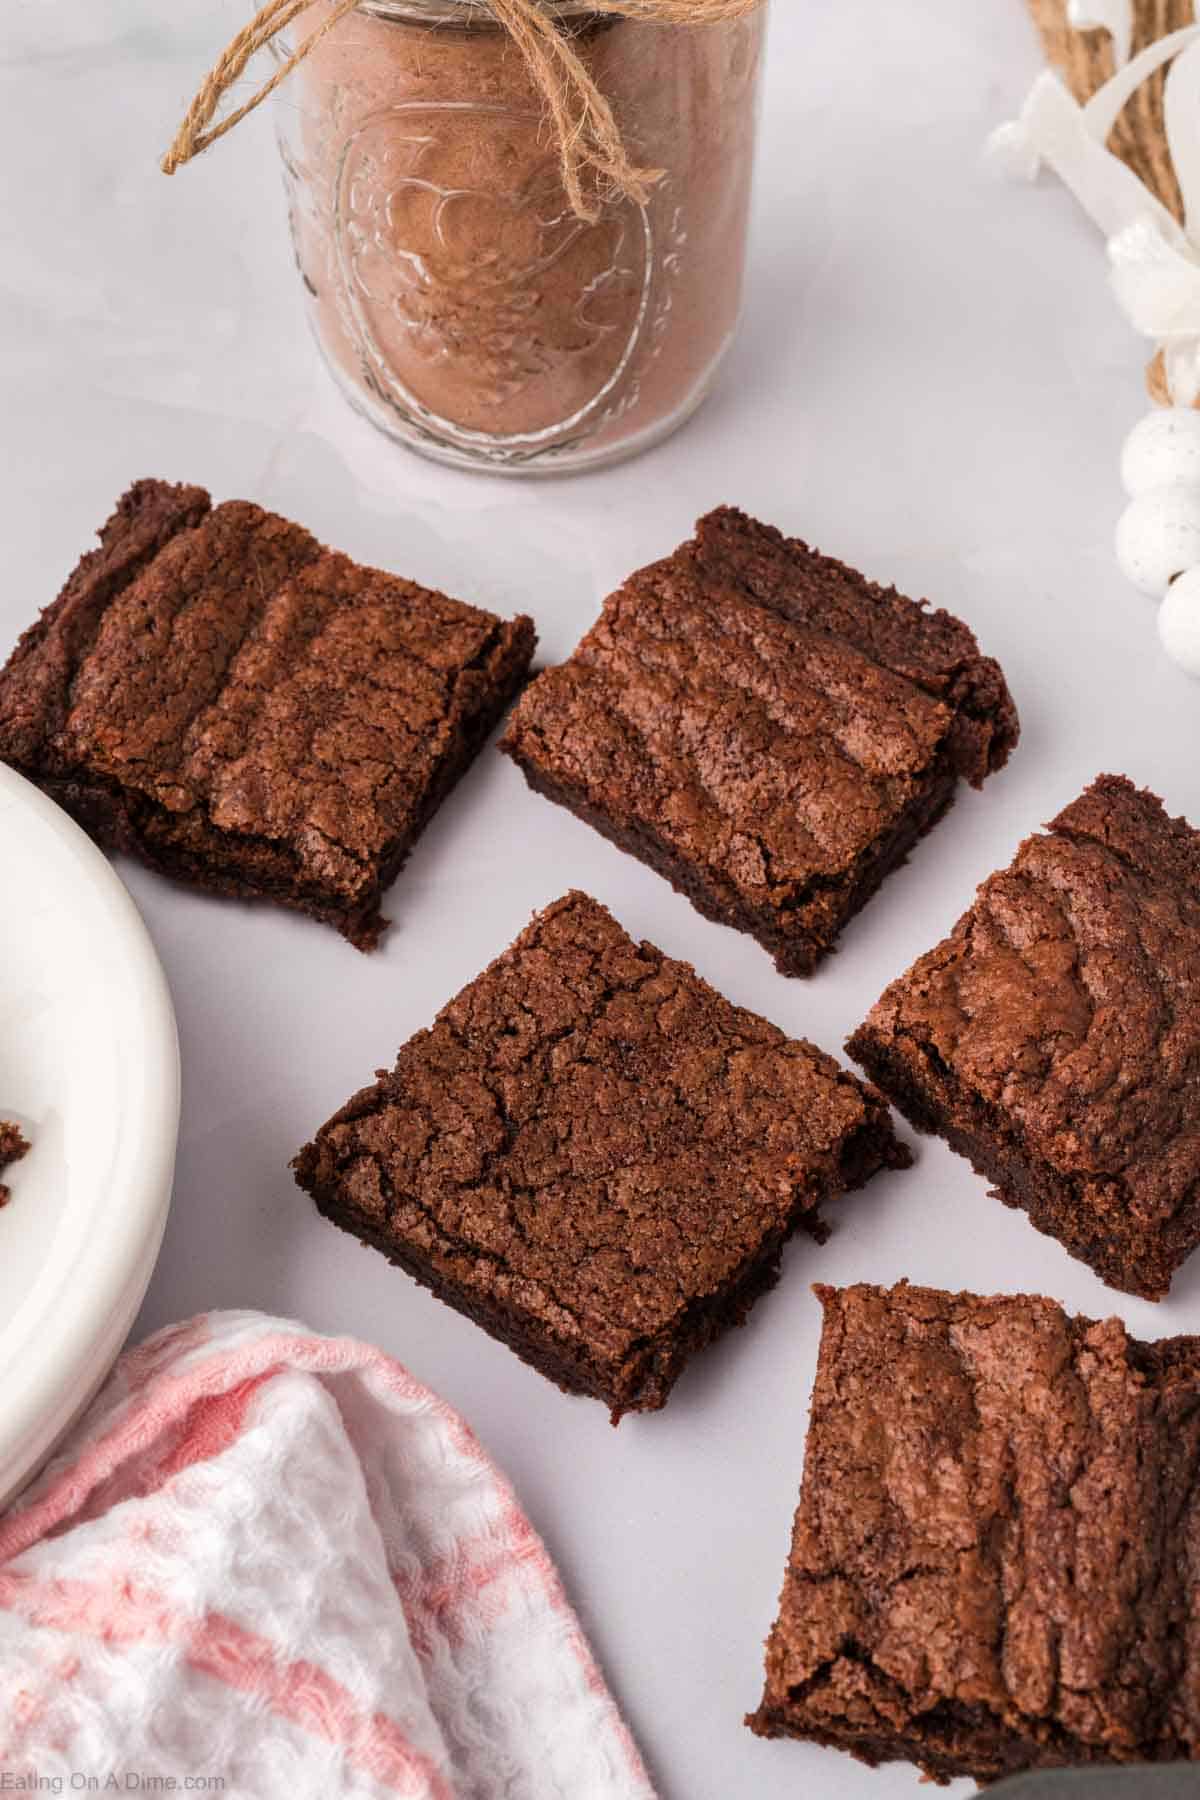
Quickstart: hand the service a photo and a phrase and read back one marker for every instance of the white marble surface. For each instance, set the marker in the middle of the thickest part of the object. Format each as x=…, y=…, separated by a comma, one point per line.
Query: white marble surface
x=933, y=383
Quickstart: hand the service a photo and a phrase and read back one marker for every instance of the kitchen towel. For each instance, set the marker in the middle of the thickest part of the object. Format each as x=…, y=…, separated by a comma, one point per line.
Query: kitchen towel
x=271, y=1563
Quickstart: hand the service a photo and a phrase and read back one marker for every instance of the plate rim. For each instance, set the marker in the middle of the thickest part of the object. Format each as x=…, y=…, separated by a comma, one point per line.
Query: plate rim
x=48, y=1375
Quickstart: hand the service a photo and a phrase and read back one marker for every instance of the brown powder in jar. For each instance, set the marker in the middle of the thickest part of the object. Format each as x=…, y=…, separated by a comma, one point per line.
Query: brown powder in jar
x=454, y=291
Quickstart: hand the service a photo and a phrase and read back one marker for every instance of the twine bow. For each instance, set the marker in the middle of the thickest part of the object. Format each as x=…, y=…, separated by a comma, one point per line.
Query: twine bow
x=589, y=137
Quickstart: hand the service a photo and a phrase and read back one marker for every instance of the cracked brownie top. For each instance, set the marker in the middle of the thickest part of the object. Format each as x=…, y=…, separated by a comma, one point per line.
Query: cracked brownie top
x=1068, y=999
x=996, y=1537
x=592, y=1134
x=764, y=711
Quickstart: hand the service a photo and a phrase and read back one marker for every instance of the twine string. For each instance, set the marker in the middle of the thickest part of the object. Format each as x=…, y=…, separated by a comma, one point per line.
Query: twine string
x=593, y=156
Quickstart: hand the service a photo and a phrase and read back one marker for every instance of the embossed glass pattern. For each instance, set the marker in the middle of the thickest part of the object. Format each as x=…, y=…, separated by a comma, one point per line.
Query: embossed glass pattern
x=459, y=302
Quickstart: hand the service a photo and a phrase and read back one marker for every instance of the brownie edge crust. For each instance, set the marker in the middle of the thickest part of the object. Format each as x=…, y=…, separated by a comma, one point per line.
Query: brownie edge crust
x=596, y=1157
x=992, y=1561
x=244, y=710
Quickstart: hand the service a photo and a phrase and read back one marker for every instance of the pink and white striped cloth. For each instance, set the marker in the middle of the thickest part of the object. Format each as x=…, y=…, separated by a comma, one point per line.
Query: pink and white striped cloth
x=268, y=1563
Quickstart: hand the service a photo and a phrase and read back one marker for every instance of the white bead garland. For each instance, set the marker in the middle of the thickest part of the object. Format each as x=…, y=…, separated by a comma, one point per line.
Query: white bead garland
x=1154, y=262
x=1179, y=622
x=1162, y=450
x=1158, y=537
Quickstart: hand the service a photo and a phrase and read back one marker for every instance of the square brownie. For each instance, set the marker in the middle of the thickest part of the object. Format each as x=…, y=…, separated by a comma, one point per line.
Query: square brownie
x=245, y=710
x=596, y=1157
x=1054, y=1037
x=766, y=728
x=993, y=1564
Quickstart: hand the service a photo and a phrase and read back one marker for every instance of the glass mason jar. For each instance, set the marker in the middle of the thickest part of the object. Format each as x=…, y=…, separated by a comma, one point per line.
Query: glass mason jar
x=459, y=302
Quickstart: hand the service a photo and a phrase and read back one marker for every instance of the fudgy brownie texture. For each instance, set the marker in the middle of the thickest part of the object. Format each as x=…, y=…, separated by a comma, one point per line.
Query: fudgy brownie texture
x=993, y=1564
x=596, y=1157
x=766, y=728
x=1054, y=1037
x=243, y=709
x=13, y=1147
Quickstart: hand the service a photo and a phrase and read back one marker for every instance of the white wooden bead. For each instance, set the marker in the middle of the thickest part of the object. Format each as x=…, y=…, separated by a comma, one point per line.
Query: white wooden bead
x=1162, y=450
x=1158, y=536
x=1179, y=621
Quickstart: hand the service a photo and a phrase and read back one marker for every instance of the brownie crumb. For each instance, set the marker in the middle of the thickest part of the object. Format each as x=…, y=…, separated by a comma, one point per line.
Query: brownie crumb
x=13, y=1146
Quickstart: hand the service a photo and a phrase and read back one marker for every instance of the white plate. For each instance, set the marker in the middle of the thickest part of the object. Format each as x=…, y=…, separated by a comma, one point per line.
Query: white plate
x=89, y=1068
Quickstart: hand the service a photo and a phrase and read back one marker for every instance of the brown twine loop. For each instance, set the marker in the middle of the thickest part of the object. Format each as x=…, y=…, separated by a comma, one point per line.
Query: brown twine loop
x=589, y=138
x=1139, y=137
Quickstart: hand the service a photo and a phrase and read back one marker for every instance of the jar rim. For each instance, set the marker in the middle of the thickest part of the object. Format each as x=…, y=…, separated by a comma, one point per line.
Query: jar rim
x=461, y=11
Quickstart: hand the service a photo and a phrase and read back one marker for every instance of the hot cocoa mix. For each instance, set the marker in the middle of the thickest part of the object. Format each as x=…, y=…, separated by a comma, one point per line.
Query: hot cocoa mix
x=456, y=295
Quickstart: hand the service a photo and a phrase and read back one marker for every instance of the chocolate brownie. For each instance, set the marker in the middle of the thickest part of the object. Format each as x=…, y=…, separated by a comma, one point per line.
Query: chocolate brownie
x=596, y=1157
x=993, y=1564
x=245, y=710
x=13, y=1147
x=1054, y=1037
x=766, y=728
